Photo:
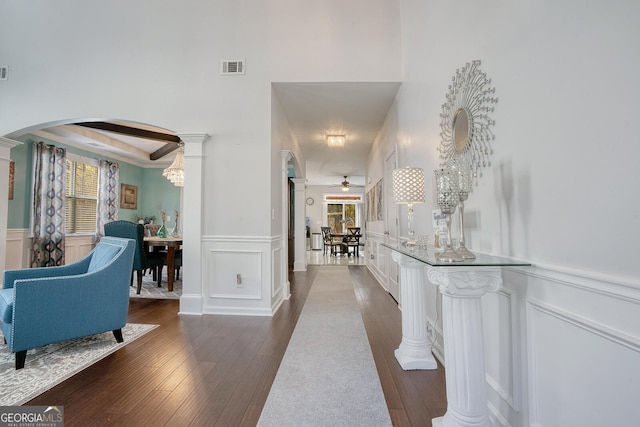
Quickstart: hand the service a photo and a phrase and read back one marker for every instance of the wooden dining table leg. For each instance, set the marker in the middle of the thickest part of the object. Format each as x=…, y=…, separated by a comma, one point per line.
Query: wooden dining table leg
x=171, y=252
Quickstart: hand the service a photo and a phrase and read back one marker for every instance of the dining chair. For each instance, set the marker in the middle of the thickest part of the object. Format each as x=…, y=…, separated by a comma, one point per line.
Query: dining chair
x=141, y=259
x=352, y=240
x=329, y=242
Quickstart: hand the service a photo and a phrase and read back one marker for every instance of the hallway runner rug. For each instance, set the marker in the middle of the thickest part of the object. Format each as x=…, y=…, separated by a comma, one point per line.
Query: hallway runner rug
x=327, y=376
x=48, y=366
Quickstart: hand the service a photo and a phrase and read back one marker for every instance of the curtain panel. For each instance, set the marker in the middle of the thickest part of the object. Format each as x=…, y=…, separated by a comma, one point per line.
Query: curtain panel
x=49, y=206
x=108, y=194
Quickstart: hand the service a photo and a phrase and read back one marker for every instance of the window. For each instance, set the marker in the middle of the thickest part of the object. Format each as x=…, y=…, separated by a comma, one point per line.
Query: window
x=342, y=211
x=341, y=216
x=81, y=195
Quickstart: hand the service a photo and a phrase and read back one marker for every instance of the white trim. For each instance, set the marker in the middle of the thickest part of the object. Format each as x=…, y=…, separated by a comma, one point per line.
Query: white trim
x=618, y=337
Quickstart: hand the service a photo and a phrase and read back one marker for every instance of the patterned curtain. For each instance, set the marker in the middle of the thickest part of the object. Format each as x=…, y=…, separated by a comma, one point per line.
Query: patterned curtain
x=49, y=206
x=108, y=194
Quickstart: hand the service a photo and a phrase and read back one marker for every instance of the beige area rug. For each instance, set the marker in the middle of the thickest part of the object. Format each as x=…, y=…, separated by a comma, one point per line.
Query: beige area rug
x=48, y=366
x=150, y=288
x=327, y=376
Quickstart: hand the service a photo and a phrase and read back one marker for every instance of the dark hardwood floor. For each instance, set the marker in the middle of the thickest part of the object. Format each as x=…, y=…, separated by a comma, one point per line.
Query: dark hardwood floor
x=217, y=370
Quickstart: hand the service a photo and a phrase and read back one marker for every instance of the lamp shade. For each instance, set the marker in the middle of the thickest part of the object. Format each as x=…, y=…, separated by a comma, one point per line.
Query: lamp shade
x=408, y=185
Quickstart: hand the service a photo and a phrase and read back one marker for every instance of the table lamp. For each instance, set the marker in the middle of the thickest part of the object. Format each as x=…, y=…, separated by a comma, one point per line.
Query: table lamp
x=408, y=189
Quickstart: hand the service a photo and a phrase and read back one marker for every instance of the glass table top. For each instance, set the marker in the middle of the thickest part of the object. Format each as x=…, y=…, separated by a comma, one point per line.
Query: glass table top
x=428, y=256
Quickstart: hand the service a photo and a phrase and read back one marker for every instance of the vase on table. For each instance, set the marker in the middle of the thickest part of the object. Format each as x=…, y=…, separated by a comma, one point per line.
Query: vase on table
x=163, y=233
x=448, y=198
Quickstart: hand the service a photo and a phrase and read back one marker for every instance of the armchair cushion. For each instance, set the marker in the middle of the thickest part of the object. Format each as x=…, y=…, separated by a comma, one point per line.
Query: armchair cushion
x=101, y=256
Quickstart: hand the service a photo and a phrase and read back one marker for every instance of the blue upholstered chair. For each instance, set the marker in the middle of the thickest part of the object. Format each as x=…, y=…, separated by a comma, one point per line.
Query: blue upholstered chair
x=40, y=306
x=141, y=260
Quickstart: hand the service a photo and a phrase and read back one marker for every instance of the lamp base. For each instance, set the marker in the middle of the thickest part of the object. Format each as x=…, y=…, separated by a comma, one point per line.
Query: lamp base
x=449, y=255
x=465, y=253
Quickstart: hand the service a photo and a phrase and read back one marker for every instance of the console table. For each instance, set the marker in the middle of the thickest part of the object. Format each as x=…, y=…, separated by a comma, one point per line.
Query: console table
x=461, y=285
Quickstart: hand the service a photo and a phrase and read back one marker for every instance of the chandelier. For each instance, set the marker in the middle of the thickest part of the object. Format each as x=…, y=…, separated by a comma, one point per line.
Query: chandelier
x=175, y=172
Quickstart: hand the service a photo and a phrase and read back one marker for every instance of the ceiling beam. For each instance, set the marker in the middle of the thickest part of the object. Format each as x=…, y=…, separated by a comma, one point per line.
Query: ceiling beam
x=132, y=131
x=163, y=151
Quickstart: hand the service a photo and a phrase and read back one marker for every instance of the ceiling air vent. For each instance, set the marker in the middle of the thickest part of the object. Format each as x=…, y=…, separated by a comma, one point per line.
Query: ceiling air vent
x=232, y=67
x=4, y=73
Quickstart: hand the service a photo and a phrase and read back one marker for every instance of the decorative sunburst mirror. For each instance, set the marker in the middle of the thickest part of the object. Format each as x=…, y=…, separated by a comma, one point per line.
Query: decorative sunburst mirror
x=465, y=122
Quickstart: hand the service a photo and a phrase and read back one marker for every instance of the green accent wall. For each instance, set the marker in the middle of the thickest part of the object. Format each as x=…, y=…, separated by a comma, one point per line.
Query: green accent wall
x=155, y=192
x=19, y=209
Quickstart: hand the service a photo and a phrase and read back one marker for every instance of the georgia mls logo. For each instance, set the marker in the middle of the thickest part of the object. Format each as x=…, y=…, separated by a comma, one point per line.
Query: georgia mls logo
x=32, y=416
x=54, y=411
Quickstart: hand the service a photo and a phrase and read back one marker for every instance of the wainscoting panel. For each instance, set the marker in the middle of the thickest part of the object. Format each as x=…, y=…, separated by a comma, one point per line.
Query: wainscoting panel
x=259, y=292
x=77, y=246
x=277, y=282
x=376, y=257
x=235, y=274
x=582, y=373
x=18, y=248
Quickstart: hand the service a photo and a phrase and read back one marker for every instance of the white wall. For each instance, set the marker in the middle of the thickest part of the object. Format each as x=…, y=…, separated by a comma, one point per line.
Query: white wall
x=562, y=345
x=158, y=62
x=564, y=154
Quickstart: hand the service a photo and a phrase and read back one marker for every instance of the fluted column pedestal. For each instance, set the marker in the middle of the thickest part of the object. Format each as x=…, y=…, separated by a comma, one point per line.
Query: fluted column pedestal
x=414, y=352
x=461, y=289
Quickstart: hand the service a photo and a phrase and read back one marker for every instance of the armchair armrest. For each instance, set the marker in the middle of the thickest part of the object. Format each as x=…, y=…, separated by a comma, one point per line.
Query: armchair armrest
x=10, y=276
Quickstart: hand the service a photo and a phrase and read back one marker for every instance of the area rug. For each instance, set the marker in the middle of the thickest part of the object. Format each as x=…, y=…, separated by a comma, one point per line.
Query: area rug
x=327, y=376
x=50, y=365
x=150, y=288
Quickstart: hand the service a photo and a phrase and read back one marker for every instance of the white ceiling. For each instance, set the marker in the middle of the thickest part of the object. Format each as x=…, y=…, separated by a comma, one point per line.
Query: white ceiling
x=313, y=110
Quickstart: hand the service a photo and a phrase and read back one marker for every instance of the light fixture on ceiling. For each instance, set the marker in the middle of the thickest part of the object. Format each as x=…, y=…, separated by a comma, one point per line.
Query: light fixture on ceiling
x=336, y=140
x=175, y=172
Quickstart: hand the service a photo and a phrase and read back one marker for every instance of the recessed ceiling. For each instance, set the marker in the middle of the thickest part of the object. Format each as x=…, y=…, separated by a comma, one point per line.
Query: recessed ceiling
x=135, y=147
x=356, y=109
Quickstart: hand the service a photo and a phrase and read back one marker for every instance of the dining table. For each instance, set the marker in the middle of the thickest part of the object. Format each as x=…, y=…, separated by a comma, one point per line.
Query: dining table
x=171, y=243
x=342, y=237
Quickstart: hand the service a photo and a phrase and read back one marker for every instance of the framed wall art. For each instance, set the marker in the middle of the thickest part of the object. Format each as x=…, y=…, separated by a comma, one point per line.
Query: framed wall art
x=128, y=196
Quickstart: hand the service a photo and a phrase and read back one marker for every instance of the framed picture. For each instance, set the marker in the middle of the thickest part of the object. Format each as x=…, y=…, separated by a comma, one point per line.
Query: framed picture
x=128, y=196
x=12, y=171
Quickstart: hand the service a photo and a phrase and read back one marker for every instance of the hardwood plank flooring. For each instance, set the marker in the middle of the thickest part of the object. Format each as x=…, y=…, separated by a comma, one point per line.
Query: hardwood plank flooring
x=217, y=370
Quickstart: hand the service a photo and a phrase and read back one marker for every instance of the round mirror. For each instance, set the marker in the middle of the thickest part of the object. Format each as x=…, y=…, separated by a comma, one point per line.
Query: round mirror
x=460, y=129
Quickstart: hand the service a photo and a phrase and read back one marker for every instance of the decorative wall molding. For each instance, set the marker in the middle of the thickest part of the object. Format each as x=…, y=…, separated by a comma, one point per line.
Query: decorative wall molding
x=513, y=398
x=257, y=259
x=18, y=246
x=624, y=288
x=629, y=341
x=241, y=239
x=223, y=268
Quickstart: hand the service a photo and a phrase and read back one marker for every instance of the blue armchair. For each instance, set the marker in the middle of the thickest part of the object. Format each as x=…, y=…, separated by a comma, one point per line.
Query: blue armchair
x=40, y=306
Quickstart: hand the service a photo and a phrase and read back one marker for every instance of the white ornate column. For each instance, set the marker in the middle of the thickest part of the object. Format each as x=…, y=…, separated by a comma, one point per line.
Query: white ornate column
x=5, y=157
x=461, y=289
x=300, y=246
x=414, y=351
x=285, y=155
x=192, y=299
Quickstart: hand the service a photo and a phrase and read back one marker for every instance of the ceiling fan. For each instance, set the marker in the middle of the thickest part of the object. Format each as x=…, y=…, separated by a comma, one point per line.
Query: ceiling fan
x=346, y=185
